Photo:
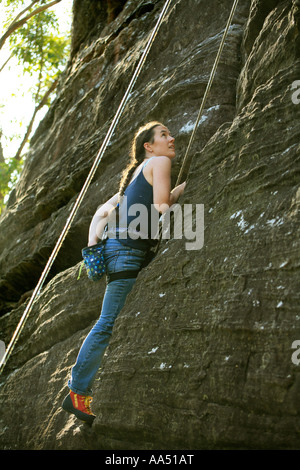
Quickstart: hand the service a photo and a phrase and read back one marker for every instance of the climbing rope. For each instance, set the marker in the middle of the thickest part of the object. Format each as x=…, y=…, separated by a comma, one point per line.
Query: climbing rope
x=187, y=160
x=84, y=188
x=185, y=166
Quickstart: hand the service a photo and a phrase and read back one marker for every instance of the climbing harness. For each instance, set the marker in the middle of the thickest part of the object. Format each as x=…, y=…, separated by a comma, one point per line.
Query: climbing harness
x=185, y=166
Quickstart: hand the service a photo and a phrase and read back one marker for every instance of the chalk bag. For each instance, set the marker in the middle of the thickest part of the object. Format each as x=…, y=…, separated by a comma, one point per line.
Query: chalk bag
x=94, y=261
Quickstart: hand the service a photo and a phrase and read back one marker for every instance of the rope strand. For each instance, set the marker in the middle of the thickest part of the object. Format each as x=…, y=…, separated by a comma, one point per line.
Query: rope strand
x=187, y=161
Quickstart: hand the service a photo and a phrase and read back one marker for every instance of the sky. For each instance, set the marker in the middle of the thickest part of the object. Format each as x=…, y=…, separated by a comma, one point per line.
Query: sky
x=16, y=105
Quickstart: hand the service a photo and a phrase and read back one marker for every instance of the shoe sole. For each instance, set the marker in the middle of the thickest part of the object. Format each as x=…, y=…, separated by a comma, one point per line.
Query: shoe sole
x=67, y=405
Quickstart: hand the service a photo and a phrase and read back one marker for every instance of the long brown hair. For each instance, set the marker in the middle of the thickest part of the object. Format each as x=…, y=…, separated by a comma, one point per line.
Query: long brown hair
x=143, y=135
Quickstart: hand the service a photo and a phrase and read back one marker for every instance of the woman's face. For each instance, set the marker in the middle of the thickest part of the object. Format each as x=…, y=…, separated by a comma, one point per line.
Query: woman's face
x=163, y=144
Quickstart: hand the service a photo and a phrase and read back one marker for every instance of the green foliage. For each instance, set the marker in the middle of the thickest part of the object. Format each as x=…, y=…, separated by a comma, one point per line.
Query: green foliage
x=9, y=174
x=40, y=50
x=43, y=53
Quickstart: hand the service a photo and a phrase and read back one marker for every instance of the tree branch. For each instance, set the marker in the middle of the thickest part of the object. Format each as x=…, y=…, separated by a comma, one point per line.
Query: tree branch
x=23, y=11
x=29, y=128
x=17, y=24
x=2, y=66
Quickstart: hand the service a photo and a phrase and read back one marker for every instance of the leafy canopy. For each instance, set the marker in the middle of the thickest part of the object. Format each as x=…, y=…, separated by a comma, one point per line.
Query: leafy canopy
x=35, y=41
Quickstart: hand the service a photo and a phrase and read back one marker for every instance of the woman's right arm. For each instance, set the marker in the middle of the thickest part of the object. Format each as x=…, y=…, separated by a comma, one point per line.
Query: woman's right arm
x=163, y=197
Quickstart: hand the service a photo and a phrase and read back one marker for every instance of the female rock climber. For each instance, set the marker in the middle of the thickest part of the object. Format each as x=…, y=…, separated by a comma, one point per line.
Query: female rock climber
x=146, y=181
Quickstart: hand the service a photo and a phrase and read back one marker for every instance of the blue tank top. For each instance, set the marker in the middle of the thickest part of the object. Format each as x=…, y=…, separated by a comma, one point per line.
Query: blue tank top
x=138, y=220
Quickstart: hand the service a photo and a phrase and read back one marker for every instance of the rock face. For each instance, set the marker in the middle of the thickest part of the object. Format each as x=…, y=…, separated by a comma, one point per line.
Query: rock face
x=201, y=355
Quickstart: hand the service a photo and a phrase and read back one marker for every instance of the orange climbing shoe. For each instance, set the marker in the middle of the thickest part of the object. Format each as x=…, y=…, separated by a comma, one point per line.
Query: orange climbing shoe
x=79, y=405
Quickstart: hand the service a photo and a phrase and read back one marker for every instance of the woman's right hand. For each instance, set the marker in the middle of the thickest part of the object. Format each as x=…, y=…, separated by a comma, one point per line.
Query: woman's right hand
x=181, y=188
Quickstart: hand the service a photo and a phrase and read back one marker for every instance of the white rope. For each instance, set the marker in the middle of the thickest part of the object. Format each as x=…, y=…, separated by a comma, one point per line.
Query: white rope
x=84, y=189
x=186, y=161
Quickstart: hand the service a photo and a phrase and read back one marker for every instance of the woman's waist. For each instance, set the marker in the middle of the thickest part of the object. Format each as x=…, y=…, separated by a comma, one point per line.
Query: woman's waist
x=133, y=238
x=119, y=257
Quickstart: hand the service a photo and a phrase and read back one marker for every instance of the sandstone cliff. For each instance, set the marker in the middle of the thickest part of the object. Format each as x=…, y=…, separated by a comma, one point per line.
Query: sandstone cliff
x=201, y=354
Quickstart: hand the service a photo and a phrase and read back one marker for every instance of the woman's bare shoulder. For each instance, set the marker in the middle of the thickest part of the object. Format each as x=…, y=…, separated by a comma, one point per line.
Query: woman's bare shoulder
x=160, y=162
x=157, y=166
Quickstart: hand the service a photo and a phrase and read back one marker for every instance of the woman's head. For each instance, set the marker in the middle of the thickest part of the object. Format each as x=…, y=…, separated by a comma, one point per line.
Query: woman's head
x=162, y=143
x=144, y=135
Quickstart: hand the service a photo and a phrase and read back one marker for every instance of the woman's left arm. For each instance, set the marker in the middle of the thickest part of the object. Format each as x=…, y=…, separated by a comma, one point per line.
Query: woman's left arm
x=163, y=197
x=100, y=219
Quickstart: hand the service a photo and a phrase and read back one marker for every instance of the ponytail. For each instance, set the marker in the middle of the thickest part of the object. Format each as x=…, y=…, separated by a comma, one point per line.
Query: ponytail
x=143, y=135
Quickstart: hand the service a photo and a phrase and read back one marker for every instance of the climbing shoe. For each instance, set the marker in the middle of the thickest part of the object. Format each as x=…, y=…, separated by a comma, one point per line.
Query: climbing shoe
x=79, y=405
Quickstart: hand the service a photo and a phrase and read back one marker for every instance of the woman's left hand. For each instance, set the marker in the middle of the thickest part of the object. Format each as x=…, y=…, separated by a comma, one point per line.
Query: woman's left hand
x=93, y=241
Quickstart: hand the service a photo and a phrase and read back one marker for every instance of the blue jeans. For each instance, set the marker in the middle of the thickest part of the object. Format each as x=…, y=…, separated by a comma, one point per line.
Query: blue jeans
x=118, y=257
